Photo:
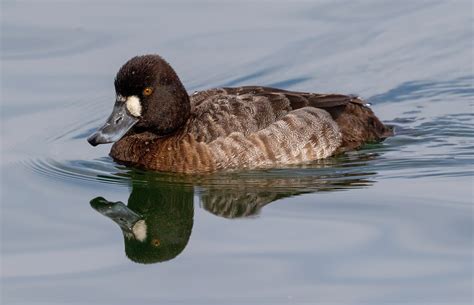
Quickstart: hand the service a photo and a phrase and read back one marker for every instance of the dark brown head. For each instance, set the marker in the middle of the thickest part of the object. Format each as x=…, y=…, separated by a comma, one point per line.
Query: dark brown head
x=149, y=97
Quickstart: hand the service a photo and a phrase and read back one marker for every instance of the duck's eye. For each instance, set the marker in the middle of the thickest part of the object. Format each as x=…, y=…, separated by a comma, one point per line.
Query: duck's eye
x=147, y=91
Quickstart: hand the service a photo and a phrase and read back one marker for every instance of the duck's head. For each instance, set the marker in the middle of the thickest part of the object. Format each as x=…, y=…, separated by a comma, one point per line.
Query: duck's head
x=149, y=97
x=155, y=227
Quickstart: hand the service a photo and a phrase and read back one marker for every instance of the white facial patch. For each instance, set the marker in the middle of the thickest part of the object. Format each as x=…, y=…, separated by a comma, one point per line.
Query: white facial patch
x=139, y=230
x=133, y=106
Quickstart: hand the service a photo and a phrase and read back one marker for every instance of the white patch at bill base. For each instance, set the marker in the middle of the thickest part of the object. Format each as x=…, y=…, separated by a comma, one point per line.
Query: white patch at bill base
x=133, y=106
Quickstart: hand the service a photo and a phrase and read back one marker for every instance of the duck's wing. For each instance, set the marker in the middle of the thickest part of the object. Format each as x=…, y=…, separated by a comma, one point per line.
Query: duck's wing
x=296, y=99
x=300, y=99
x=219, y=112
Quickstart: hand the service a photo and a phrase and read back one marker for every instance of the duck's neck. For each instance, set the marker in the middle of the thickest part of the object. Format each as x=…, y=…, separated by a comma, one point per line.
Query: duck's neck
x=166, y=120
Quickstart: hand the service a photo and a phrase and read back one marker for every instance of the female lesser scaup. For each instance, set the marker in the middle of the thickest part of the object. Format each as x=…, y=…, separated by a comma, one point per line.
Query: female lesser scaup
x=157, y=126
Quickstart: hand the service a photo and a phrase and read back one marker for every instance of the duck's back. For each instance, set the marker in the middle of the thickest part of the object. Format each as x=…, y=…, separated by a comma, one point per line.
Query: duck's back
x=219, y=112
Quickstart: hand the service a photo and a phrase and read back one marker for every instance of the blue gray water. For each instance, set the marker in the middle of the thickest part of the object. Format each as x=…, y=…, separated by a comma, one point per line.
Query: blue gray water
x=389, y=224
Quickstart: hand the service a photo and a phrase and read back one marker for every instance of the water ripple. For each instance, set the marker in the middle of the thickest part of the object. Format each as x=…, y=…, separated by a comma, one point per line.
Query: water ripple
x=412, y=90
x=99, y=170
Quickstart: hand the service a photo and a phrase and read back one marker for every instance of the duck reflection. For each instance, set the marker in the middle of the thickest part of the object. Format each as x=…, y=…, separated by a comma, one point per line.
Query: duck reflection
x=158, y=219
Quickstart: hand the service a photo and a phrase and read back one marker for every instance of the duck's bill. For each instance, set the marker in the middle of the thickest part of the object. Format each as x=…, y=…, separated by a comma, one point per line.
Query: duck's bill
x=118, y=212
x=117, y=125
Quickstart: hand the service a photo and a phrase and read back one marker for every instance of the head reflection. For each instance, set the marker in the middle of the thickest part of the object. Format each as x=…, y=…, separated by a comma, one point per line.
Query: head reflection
x=156, y=224
x=158, y=219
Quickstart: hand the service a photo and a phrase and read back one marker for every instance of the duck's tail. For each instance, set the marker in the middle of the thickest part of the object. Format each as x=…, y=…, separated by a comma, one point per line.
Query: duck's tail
x=359, y=125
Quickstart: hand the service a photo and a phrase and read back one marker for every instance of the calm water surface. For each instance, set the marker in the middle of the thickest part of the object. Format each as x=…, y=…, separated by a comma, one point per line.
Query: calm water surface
x=389, y=224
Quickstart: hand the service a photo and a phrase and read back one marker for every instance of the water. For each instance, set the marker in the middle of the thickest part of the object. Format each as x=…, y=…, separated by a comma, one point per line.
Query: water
x=388, y=224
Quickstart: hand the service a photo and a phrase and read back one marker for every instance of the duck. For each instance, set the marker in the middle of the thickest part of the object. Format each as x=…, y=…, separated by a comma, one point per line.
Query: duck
x=156, y=125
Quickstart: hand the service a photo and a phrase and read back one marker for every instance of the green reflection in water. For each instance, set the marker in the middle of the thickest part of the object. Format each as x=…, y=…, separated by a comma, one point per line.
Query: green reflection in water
x=158, y=219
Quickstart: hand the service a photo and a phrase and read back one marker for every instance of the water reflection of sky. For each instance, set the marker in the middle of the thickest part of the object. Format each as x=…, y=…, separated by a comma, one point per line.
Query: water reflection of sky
x=389, y=224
